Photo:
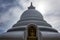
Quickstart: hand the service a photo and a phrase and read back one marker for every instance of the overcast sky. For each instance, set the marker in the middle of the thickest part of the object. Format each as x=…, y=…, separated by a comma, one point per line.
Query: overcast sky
x=11, y=10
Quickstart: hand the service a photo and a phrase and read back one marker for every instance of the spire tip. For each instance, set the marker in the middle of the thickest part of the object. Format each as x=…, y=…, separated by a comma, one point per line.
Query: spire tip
x=31, y=6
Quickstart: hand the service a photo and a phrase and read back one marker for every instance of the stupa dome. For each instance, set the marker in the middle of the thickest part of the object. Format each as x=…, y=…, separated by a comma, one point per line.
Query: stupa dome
x=31, y=14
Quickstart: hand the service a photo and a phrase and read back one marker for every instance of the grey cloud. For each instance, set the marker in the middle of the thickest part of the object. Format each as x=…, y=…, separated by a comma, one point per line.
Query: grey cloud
x=7, y=17
x=5, y=5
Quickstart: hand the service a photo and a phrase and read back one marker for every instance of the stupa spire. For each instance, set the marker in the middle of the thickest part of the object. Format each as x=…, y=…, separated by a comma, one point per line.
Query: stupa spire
x=31, y=6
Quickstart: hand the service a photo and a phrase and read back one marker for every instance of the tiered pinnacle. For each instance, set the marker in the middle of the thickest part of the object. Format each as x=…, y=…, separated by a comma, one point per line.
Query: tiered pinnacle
x=31, y=6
